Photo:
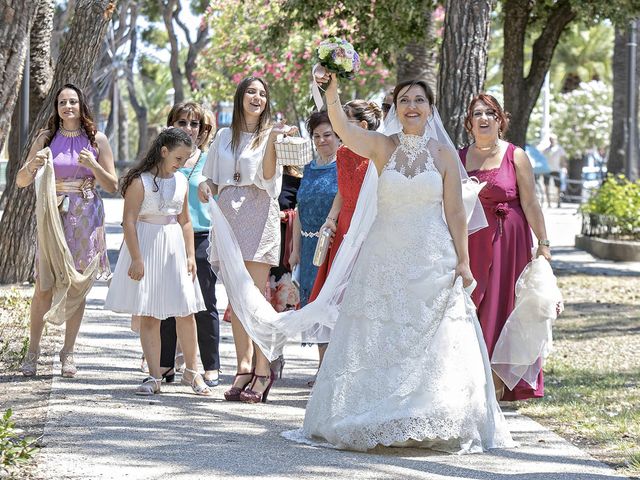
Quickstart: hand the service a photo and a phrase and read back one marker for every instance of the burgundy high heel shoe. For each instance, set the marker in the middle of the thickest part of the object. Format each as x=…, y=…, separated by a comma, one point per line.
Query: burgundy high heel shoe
x=251, y=396
x=233, y=394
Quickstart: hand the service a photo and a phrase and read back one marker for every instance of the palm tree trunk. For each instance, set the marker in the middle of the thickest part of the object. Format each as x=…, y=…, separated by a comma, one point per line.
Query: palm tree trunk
x=617, y=145
x=16, y=18
x=463, y=66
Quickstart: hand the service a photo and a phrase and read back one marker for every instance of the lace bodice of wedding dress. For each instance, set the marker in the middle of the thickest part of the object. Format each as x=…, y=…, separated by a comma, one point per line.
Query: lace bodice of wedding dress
x=406, y=364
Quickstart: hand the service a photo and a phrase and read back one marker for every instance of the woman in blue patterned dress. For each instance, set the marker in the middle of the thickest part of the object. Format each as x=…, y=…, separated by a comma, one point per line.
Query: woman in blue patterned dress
x=317, y=190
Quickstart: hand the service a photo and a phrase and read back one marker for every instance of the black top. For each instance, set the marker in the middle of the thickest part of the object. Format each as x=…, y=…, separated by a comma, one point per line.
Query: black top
x=288, y=195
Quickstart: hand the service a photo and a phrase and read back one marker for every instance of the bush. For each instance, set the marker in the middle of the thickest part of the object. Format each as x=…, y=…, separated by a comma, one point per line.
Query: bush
x=14, y=329
x=614, y=211
x=14, y=450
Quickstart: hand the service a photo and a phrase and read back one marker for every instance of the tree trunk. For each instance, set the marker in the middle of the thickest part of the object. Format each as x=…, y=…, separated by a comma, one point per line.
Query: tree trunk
x=463, y=66
x=60, y=22
x=123, y=132
x=419, y=60
x=40, y=81
x=174, y=60
x=16, y=18
x=618, y=143
x=202, y=40
x=17, y=227
x=521, y=92
x=138, y=108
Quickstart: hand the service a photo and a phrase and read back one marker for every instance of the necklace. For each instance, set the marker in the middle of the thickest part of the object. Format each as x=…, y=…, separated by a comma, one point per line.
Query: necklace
x=237, y=154
x=488, y=148
x=70, y=133
x=194, y=166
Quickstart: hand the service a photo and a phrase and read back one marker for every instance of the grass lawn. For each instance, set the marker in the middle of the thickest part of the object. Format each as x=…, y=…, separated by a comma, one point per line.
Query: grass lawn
x=592, y=378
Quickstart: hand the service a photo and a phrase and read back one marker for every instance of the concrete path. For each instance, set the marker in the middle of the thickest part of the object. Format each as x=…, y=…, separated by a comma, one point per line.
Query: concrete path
x=98, y=429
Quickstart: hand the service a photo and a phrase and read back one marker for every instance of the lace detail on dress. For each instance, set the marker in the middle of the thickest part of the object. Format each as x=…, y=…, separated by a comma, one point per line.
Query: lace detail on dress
x=165, y=199
x=412, y=156
x=406, y=360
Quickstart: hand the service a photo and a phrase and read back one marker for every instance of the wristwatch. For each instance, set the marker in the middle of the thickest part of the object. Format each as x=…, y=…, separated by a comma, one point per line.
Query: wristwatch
x=545, y=243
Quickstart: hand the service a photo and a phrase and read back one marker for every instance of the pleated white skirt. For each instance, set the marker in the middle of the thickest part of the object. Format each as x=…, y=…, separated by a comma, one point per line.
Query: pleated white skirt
x=166, y=289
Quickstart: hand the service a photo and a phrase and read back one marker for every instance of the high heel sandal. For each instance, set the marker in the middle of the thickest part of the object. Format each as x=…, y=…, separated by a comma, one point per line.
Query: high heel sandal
x=30, y=365
x=169, y=377
x=251, y=396
x=68, y=369
x=150, y=386
x=233, y=394
x=203, y=390
x=278, y=366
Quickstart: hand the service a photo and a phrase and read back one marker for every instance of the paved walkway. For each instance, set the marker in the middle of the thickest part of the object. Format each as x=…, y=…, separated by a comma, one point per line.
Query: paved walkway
x=97, y=428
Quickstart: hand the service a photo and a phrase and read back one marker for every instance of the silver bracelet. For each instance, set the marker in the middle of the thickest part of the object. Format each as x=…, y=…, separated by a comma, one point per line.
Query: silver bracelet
x=334, y=102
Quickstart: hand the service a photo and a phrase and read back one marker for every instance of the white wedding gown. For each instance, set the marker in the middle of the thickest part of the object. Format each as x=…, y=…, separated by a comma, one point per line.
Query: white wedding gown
x=407, y=364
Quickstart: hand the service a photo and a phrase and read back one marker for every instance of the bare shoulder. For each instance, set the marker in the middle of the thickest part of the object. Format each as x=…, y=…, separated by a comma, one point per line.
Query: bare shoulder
x=442, y=154
x=520, y=157
x=101, y=139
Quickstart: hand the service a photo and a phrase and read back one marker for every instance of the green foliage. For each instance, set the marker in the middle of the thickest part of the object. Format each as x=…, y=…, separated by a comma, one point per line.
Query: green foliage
x=582, y=54
x=14, y=450
x=14, y=329
x=384, y=26
x=581, y=118
x=618, y=202
x=154, y=36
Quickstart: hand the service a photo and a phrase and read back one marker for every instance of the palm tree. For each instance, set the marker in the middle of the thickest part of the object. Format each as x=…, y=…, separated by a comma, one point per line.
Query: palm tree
x=582, y=55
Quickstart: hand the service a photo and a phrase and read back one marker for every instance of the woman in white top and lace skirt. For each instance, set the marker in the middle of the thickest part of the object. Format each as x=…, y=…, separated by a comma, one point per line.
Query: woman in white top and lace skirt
x=241, y=168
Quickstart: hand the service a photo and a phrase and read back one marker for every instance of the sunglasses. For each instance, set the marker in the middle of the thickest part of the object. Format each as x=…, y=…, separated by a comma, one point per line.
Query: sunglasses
x=184, y=123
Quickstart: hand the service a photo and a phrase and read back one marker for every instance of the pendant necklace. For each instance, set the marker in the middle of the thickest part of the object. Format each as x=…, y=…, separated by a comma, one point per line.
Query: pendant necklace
x=236, y=155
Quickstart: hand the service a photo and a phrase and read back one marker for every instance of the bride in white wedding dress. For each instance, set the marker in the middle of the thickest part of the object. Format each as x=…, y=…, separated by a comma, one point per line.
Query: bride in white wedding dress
x=406, y=364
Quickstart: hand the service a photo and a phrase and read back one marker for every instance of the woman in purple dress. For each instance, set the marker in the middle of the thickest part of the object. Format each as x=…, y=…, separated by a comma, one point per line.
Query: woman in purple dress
x=82, y=159
x=500, y=252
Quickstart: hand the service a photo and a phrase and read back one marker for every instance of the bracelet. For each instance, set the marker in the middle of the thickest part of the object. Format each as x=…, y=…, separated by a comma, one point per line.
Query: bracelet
x=334, y=102
x=544, y=243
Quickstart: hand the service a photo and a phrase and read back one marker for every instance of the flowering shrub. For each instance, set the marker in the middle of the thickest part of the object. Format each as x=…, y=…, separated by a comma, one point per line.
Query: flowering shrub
x=581, y=119
x=614, y=211
x=241, y=45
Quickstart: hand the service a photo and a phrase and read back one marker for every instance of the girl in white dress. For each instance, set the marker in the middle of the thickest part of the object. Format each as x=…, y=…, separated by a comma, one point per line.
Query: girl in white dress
x=156, y=271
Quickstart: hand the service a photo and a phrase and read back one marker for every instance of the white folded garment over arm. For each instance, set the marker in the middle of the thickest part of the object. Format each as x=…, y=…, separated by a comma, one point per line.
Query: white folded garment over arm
x=526, y=338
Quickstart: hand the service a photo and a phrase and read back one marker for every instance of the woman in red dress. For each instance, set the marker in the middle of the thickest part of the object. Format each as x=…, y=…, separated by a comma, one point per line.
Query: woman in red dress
x=499, y=253
x=351, y=171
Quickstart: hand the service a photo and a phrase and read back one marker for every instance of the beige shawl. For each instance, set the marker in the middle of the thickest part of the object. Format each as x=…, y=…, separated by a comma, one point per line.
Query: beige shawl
x=56, y=268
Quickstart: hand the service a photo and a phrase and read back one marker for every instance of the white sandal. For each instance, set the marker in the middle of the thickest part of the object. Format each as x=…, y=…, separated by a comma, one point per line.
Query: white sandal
x=30, y=365
x=68, y=369
x=150, y=386
x=202, y=389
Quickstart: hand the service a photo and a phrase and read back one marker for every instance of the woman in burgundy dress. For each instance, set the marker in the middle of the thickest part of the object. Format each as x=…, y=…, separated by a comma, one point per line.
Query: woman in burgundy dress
x=351, y=170
x=501, y=251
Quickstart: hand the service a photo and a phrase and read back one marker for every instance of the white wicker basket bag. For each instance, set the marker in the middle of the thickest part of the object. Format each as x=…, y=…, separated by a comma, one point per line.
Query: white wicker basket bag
x=293, y=151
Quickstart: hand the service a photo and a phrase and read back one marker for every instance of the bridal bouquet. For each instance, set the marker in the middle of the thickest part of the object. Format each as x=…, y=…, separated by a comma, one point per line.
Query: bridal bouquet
x=338, y=56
